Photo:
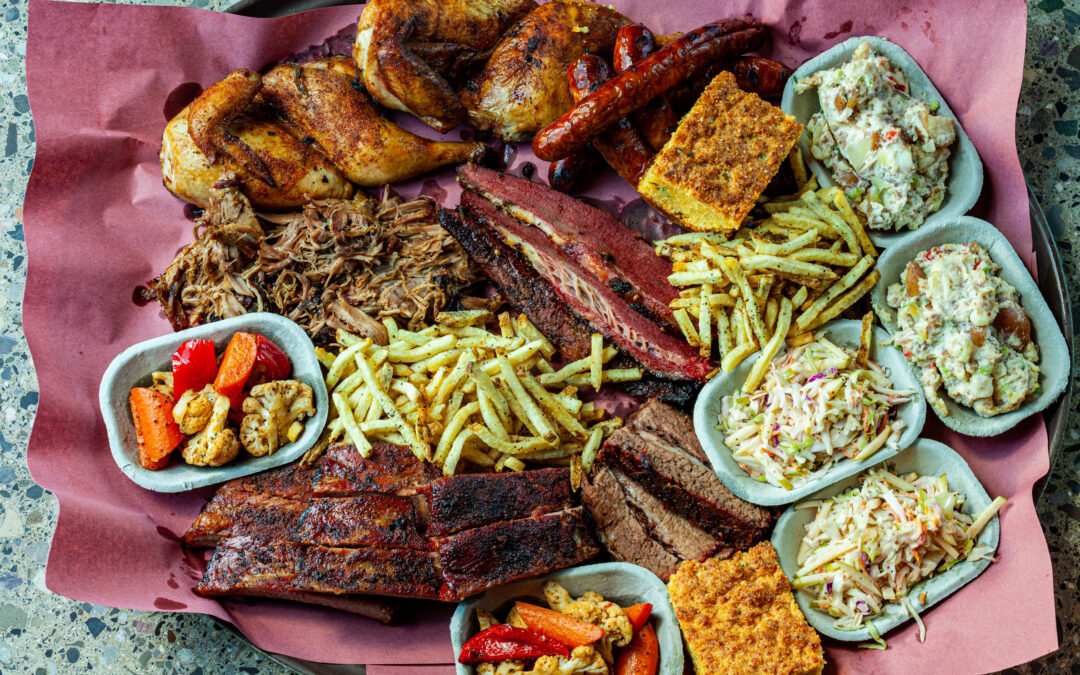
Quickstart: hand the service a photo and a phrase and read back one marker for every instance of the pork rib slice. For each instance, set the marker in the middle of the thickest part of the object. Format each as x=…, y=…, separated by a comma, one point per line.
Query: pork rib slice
x=596, y=240
x=372, y=607
x=389, y=470
x=462, y=502
x=605, y=311
x=475, y=560
x=246, y=564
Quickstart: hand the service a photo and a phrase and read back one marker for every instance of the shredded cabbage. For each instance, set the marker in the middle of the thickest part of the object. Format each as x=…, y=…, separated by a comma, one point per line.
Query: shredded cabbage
x=870, y=546
x=814, y=407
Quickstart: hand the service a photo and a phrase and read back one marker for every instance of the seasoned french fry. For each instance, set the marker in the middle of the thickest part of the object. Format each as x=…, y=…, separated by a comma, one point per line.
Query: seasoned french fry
x=736, y=356
x=345, y=359
x=533, y=334
x=705, y=321
x=866, y=337
x=808, y=317
x=768, y=352
x=352, y=429
x=846, y=300
x=468, y=317
x=592, y=447
x=682, y=318
x=800, y=339
x=596, y=363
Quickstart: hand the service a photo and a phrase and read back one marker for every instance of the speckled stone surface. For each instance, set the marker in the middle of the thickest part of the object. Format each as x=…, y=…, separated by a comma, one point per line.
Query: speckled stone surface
x=41, y=632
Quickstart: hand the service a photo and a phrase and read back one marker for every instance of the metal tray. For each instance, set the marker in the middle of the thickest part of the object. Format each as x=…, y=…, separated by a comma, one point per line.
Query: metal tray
x=1050, y=273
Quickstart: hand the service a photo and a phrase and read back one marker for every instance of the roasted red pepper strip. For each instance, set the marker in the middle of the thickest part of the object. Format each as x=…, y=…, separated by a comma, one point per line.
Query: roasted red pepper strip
x=236, y=365
x=155, y=430
x=503, y=641
x=270, y=363
x=194, y=365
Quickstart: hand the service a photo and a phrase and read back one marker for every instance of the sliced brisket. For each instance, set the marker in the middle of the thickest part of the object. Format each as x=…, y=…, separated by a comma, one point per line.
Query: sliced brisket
x=520, y=284
x=677, y=534
x=605, y=311
x=475, y=560
x=618, y=527
x=655, y=450
x=596, y=240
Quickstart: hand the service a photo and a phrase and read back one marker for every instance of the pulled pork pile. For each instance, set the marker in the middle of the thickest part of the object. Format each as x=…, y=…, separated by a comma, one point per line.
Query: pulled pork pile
x=339, y=263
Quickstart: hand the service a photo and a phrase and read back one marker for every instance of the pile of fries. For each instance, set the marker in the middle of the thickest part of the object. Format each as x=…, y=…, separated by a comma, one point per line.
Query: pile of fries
x=803, y=266
x=456, y=391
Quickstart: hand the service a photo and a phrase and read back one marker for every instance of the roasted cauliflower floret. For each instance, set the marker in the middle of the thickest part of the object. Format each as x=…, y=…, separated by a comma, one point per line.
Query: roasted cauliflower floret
x=214, y=445
x=271, y=409
x=583, y=661
x=592, y=607
x=163, y=382
x=193, y=409
x=508, y=667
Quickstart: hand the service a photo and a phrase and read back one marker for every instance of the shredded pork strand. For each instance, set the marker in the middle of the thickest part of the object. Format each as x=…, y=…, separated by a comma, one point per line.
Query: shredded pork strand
x=339, y=263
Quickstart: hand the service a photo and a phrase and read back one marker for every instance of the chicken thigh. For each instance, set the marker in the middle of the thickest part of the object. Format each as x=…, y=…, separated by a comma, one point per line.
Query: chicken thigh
x=523, y=87
x=403, y=45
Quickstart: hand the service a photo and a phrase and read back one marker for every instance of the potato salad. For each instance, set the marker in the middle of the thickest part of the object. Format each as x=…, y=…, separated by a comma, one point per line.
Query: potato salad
x=888, y=150
x=963, y=325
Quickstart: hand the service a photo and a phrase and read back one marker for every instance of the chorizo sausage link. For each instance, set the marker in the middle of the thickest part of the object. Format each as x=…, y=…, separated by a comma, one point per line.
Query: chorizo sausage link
x=657, y=120
x=649, y=78
x=620, y=145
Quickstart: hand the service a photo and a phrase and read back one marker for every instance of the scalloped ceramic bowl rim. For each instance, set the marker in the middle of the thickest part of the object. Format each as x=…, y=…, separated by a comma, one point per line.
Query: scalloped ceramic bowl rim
x=178, y=476
x=577, y=580
x=738, y=481
x=964, y=150
x=938, y=587
x=1052, y=345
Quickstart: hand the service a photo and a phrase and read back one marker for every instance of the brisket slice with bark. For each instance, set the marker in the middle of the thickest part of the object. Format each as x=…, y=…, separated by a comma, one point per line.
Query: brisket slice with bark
x=655, y=450
x=366, y=520
x=462, y=502
x=520, y=284
x=618, y=527
x=475, y=560
x=246, y=564
x=614, y=253
x=530, y=294
x=607, y=312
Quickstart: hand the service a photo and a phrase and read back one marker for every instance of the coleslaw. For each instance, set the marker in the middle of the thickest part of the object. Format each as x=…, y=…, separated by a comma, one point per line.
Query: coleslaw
x=815, y=406
x=873, y=544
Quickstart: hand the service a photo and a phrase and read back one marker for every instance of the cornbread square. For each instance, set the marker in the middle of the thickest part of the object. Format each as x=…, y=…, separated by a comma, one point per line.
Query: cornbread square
x=720, y=159
x=739, y=616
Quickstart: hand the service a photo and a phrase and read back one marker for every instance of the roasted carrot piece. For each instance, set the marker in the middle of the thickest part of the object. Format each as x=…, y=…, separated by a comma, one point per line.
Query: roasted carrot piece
x=641, y=656
x=566, y=629
x=638, y=614
x=155, y=429
x=236, y=365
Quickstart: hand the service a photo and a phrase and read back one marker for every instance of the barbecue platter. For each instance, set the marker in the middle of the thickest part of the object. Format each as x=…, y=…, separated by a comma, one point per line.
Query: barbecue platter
x=509, y=379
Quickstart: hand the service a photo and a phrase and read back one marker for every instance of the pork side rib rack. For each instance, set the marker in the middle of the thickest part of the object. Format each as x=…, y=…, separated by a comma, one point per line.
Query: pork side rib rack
x=348, y=529
x=656, y=501
x=573, y=270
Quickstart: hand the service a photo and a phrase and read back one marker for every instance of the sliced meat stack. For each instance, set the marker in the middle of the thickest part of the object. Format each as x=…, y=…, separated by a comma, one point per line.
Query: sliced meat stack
x=657, y=502
x=573, y=270
x=349, y=528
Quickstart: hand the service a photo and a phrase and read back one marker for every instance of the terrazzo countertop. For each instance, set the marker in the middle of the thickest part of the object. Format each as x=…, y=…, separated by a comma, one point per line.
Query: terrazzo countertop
x=41, y=632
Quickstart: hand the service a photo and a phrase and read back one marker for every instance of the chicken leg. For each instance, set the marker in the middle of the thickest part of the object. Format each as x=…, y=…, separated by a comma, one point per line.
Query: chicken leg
x=324, y=101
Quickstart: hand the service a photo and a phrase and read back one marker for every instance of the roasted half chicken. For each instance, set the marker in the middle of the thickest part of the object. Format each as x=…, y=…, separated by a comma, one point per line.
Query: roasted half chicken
x=323, y=101
x=523, y=86
x=404, y=47
x=212, y=139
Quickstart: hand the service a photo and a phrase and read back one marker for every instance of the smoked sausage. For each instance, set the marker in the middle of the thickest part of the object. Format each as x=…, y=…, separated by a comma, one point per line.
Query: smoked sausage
x=649, y=78
x=657, y=120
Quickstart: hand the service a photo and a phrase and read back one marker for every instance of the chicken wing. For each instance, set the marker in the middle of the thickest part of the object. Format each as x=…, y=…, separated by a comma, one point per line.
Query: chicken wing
x=405, y=78
x=523, y=86
x=212, y=139
x=324, y=101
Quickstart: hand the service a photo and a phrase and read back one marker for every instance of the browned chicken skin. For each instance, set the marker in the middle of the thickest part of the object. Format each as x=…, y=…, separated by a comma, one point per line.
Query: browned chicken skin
x=523, y=86
x=324, y=101
x=405, y=77
x=211, y=139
